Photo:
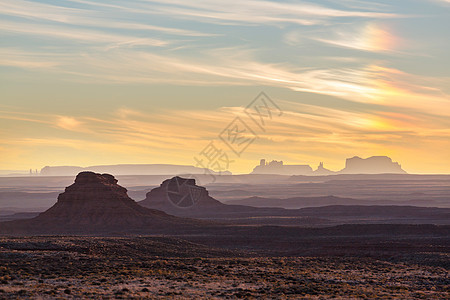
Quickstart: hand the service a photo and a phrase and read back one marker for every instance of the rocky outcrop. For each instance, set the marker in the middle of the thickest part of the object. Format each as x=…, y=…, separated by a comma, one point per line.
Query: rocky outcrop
x=354, y=165
x=371, y=165
x=95, y=203
x=279, y=168
x=180, y=195
x=183, y=197
x=321, y=170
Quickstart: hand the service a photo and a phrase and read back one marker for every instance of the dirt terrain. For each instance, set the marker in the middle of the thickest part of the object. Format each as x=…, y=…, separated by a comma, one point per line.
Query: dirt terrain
x=138, y=267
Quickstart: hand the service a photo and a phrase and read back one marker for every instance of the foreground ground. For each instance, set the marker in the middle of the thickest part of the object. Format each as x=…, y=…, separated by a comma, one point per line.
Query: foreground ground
x=52, y=267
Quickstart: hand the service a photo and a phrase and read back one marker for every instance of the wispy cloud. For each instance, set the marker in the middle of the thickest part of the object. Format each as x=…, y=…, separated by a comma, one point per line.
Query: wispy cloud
x=441, y=1
x=348, y=52
x=68, y=123
x=35, y=11
x=368, y=84
x=254, y=11
x=78, y=35
x=370, y=37
x=303, y=131
x=211, y=11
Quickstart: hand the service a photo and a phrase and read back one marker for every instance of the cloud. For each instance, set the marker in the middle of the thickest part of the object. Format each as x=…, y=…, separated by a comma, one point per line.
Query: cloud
x=304, y=132
x=15, y=57
x=226, y=13
x=68, y=123
x=254, y=11
x=230, y=67
x=34, y=11
x=88, y=51
x=377, y=96
x=441, y=1
x=292, y=38
x=78, y=35
x=370, y=37
x=233, y=66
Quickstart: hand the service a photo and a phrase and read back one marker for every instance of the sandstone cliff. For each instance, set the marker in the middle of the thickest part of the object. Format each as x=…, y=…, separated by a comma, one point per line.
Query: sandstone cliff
x=95, y=203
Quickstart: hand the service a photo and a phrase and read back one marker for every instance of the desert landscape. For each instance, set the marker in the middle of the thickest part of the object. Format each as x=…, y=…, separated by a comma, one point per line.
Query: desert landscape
x=211, y=149
x=98, y=242
x=146, y=267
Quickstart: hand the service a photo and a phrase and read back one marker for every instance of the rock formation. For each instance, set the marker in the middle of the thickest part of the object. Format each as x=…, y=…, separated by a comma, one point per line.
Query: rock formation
x=182, y=197
x=95, y=203
x=354, y=165
x=321, y=170
x=278, y=167
x=371, y=165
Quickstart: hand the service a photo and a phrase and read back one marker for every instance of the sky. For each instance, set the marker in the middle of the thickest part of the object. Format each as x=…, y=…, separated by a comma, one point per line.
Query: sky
x=110, y=82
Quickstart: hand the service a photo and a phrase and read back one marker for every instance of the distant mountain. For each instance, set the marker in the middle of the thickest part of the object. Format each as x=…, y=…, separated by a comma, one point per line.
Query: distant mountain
x=371, y=165
x=96, y=204
x=278, y=167
x=12, y=173
x=60, y=171
x=128, y=169
x=354, y=165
